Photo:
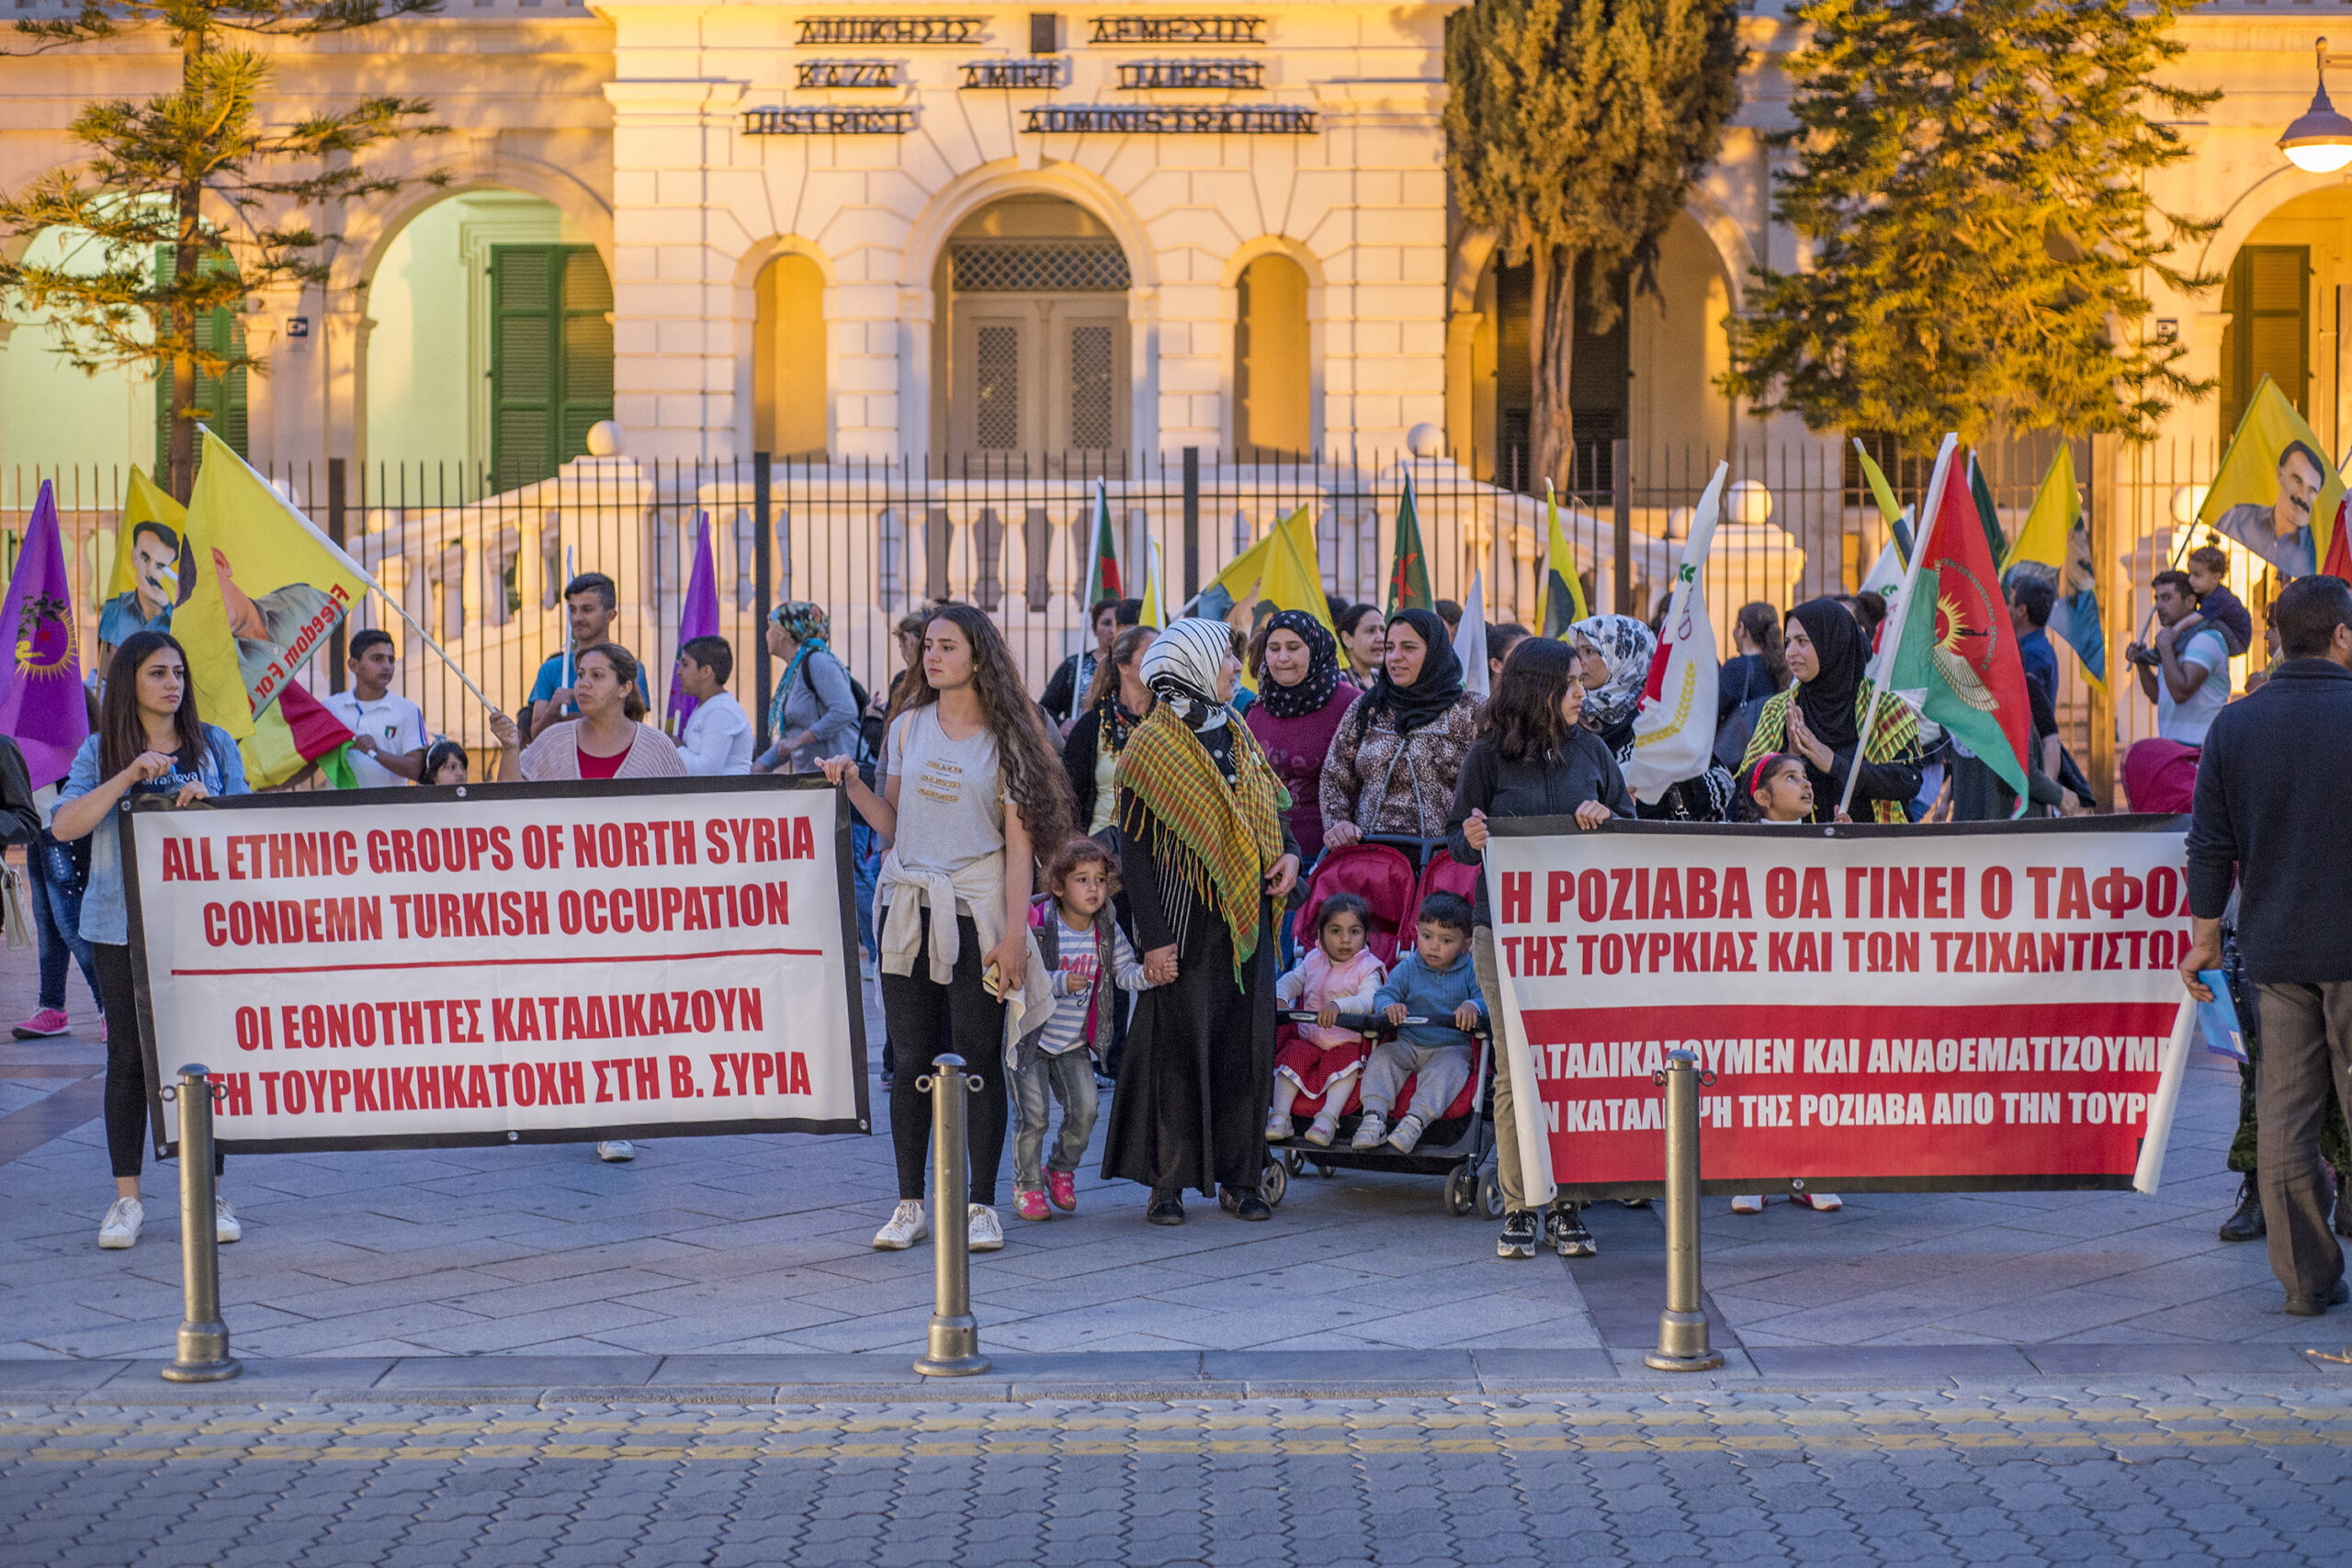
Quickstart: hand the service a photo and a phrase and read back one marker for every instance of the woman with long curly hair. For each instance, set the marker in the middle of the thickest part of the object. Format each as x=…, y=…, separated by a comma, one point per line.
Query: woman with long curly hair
x=1207, y=853
x=969, y=783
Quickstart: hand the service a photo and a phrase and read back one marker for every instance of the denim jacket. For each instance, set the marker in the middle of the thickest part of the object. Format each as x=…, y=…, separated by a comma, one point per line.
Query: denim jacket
x=104, y=916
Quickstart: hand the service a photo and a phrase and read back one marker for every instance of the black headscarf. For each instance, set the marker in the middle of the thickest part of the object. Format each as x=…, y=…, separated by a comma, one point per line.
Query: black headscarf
x=1432, y=693
x=1322, y=677
x=1829, y=698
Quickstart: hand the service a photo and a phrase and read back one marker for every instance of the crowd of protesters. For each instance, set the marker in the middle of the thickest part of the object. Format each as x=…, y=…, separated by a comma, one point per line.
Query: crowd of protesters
x=1110, y=868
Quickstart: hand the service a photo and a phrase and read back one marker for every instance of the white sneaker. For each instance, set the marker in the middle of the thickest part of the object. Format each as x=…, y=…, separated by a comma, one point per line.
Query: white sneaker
x=1277, y=1125
x=616, y=1150
x=907, y=1227
x=225, y=1228
x=1370, y=1130
x=1747, y=1203
x=121, y=1228
x=1320, y=1130
x=1819, y=1202
x=1408, y=1134
x=982, y=1233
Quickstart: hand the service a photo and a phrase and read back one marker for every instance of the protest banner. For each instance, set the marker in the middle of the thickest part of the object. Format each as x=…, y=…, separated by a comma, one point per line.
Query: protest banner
x=553, y=963
x=1966, y=1008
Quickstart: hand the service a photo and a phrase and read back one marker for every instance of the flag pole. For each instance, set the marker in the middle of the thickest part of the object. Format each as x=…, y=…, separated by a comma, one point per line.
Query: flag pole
x=1930, y=513
x=343, y=555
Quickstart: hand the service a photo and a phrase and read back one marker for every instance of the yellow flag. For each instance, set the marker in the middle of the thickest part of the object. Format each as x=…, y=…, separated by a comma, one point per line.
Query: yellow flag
x=1560, y=603
x=270, y=590
x=160, y=560
x=2057, y=507
x=1155, y=606
x=1283, y=569
x=2276, y=493
x=2055, y=545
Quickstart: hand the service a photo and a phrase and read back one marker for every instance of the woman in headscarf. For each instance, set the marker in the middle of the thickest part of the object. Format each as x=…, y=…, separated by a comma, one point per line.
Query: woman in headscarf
x=1302, y=696
x=1201, y=813
x=814, y=712
x=1107, y=713
x=1399, y=752
x=1820, y=718
x=1616, y=652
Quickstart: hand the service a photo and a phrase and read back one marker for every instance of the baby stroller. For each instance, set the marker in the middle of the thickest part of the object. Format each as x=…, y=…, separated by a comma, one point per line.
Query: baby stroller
x=1393, y=876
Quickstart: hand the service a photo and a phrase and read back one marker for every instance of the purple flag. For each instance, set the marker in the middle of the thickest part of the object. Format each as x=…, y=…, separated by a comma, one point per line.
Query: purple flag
x=697, y=617
x=40, y=689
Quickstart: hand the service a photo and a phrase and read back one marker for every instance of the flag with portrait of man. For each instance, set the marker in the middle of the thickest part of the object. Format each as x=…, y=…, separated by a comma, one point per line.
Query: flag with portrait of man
x=2276, y=493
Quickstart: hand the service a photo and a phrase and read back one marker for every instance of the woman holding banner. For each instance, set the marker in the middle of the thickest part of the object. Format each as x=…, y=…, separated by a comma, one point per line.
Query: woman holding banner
x=1533, y=758
x=150, y=742
x=1820, y=718
x=952, y=896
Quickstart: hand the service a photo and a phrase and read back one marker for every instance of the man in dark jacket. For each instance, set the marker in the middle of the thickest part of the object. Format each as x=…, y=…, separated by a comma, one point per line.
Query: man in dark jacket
x=2269, y=788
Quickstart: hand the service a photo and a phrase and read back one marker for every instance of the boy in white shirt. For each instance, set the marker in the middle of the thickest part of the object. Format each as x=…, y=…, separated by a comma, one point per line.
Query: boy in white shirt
x=388, y=730
x=718, y=737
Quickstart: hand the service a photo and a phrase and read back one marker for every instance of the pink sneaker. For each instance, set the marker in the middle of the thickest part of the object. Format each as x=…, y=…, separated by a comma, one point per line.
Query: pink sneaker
x=1030, y=1204
x=42, y=1025
x=1061, y=1186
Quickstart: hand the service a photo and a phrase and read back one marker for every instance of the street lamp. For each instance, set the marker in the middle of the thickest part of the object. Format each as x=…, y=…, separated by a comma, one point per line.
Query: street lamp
x=2320, y=142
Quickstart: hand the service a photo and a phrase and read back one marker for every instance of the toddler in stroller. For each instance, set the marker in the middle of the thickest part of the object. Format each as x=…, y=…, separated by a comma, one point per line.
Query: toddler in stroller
x=1338, y=975
x=1438, y=984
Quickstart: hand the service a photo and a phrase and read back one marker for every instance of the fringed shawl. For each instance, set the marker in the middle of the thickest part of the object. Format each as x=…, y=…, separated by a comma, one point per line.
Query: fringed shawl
x=1897, y=740
x=1215, y=840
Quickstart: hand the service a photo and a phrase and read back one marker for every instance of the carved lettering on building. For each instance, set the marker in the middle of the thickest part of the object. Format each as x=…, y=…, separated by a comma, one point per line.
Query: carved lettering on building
x=835, y=31
x=829, y=120
x=1180, y=30
x=848, y=74
x=1139, y=75
x=1168, y=120
x=1013, y=74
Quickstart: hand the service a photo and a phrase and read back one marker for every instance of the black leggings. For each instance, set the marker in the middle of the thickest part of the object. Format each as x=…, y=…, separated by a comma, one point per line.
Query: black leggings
x=917, y=1008
x=126, y=1064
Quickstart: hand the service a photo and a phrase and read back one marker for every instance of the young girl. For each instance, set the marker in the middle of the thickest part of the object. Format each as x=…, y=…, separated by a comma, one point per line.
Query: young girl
x=1338, y=975
x=1782, y=792
x=1088, y=962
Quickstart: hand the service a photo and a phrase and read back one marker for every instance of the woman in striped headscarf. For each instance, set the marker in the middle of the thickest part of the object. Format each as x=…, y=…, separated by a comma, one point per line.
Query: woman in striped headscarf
x=1207, y=853
x=814, y=712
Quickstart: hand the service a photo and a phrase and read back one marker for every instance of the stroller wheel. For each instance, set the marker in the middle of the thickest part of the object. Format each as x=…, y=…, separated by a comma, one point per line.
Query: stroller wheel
x=1273, y=1183
x=1296, y=1160
x=1461, y=1189
x=1327, y=1171
x=1490, y=1196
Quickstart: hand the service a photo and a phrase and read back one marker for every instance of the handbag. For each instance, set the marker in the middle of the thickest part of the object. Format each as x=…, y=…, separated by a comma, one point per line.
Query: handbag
x=18, y=922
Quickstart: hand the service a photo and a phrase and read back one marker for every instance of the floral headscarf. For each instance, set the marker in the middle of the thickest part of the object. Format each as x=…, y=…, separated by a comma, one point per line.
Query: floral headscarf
x=800, y=620
x=1626, y=646
x=1322, y=677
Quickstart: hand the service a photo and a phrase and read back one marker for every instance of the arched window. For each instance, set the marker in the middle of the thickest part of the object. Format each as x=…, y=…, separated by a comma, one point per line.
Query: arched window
x=1271, y=361
x=789, y=404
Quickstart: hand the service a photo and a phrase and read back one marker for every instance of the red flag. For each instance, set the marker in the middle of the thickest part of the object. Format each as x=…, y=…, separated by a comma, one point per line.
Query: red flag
x=2339, y=558
x=1970, y=649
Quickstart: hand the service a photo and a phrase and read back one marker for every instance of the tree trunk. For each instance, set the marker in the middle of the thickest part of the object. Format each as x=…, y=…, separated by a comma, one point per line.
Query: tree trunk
x=178, y=456
x=1551, y=427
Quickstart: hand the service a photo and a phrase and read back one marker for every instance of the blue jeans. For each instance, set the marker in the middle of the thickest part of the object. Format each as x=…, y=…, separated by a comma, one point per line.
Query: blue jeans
x=1069, y=1078
x=866, y=864
x=57, y=927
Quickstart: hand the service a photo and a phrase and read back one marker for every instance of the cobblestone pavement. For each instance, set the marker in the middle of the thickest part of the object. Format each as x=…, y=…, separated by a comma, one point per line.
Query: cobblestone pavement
x=2164, y=1471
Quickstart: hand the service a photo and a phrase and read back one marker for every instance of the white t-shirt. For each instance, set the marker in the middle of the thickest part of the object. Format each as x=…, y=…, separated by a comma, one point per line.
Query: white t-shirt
x=395, y=724
x=717, y=739
x=2188, y=721
x=951, y=794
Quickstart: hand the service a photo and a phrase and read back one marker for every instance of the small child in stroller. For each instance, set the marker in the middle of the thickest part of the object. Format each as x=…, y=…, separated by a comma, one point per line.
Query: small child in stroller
x=1339, y=973
x=1436, y=982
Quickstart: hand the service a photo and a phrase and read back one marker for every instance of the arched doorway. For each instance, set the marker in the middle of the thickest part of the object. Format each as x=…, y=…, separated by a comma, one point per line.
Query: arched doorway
x=1272, y=363
x=490, y=347
x=1036, y=351
x=789, y=395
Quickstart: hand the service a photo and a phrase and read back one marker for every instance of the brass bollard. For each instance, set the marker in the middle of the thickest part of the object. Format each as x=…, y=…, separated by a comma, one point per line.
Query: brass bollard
x=954, y=1350
x=204, y=1339
x=1683, y=1328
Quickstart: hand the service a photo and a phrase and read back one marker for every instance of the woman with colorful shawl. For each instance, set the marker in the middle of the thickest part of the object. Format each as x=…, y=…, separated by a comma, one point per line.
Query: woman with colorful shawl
x=814, y=712
x=1820, y=718
x=1617, y=650
x=1201, y=816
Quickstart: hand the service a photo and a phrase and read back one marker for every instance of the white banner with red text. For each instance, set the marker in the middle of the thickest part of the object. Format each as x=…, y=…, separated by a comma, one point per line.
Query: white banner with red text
x=511, y=963
x=1881, y=1008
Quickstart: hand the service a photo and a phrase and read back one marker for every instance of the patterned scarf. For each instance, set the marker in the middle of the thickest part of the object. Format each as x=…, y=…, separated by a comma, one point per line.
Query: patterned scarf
x=1216, y=840
x=1322, y=677
x=1625, y=646
x=1896, y=740
x=805, y=623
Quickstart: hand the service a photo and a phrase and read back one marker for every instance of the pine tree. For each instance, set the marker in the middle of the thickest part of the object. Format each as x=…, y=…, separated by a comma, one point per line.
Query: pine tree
x=1574, y=129
x=1970, y=177
x=192, y=202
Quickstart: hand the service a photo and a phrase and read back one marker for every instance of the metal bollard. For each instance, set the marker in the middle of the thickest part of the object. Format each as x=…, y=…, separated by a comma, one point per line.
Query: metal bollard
x=204, y=1339
x=1683, y=1328
x=954, y=1350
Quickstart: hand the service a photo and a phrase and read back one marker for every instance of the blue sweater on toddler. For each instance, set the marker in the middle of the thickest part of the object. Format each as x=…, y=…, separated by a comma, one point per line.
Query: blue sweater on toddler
x=1433, y=994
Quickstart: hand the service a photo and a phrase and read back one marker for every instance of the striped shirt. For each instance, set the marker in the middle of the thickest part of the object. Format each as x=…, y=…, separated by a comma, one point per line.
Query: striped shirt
x=1065, y=1030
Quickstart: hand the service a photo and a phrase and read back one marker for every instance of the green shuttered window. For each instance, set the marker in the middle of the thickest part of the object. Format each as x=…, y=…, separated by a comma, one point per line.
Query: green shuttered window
x=551, y=357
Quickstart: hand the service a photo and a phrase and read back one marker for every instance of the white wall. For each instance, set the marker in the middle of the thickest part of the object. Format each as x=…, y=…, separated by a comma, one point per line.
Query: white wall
x=51, y=416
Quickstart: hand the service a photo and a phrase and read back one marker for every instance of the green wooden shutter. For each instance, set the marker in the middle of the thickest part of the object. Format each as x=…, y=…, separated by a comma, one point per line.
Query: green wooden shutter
x=2268, y=333
x=551, y=357
x=227, y=419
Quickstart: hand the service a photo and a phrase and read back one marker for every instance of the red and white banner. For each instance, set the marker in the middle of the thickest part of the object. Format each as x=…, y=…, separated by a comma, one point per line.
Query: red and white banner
x=519, y=964
x=1978, y=1006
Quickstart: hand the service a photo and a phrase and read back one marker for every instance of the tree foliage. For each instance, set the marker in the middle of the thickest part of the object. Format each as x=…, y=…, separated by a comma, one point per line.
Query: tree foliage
x=1575, y=129
x=1970, y=178
x=199, y=173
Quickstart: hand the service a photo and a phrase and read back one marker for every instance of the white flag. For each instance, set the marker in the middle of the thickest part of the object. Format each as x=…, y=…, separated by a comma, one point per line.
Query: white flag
x=1674, y=732
x=1470, y=637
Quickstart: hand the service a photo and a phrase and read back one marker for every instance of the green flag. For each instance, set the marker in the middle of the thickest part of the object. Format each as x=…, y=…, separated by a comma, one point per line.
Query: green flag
x=1987, y=515
x=1102, y=579
x=1408, y=568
